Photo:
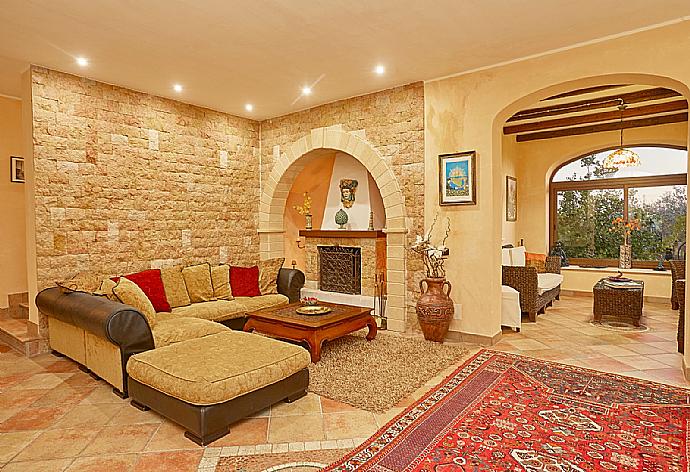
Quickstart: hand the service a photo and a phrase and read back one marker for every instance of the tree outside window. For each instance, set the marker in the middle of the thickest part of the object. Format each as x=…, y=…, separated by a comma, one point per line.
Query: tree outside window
x=586, y=197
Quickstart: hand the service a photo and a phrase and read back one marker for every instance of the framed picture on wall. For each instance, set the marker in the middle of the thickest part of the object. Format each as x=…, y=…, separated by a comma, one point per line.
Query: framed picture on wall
x=17, y=169
x=511, y=198
x=458, y=178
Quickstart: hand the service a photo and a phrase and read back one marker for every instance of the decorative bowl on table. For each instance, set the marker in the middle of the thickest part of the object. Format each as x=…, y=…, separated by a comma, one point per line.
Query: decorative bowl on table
x=313, y=310
x=619, y=278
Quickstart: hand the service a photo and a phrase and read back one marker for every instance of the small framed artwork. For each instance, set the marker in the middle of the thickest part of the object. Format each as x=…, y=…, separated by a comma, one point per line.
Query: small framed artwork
x=511, y=198
x=17, y=169
x=458, y=178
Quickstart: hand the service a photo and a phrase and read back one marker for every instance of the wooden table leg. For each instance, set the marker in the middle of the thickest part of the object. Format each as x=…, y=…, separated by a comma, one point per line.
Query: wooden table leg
x=315, y=348
x=371, y=324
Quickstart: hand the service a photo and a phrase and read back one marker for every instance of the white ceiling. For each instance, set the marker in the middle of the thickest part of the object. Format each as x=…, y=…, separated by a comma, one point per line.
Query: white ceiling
x=228, y=53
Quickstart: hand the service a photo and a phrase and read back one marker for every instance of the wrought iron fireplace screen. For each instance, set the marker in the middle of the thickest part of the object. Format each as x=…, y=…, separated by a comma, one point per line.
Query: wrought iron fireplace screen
x=340, y=269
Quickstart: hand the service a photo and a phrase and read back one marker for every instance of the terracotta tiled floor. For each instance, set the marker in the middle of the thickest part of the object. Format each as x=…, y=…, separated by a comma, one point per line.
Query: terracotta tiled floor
x=564, y=334
x=55, y=417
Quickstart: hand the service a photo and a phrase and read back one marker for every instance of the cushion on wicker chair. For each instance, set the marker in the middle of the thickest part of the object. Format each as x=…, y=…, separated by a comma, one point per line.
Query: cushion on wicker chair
x=548, y=281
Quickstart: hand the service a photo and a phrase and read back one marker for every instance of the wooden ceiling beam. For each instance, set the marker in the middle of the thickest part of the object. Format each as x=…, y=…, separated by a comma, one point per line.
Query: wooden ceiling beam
x=582, y=91
x=644, y=110
x=580, y=130
x=595, y=103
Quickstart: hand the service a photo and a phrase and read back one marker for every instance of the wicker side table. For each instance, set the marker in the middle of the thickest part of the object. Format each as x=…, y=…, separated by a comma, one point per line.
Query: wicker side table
x=622, y=303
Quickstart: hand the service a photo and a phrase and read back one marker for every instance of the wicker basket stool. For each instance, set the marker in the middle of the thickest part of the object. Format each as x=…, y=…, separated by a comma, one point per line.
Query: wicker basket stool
x=621, y=303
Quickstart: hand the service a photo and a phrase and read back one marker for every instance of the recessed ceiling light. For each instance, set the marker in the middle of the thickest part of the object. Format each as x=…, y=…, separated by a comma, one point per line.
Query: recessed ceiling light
x=82, y=61
x=177, y=88
x=306, y=90
x=380, y=69
x=249, y=107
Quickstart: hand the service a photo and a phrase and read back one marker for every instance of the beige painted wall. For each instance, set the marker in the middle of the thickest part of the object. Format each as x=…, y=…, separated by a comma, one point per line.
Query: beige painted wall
x=537, y=160
x=13, y=233
x=579, y=279
x=510, y=163
x=468, y=111
x=315, y=178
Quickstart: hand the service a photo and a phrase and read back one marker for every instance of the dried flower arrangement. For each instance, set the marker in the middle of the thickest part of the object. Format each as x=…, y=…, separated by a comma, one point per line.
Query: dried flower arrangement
x=434, y=256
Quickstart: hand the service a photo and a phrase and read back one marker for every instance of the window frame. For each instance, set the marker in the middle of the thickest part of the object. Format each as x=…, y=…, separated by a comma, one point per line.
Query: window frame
x=624, y=183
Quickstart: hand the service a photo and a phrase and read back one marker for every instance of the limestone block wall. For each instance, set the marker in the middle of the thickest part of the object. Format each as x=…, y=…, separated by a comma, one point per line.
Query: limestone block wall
x=392, y=121
x=125, y=181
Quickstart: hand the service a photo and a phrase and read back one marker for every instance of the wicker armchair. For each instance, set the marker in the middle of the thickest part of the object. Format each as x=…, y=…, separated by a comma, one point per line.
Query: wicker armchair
x=677, y=273
x=525, y=281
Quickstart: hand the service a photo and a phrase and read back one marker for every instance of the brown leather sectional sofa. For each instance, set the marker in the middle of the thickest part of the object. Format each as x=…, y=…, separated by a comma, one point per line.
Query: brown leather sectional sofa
x=194, y=343
x=101, y=334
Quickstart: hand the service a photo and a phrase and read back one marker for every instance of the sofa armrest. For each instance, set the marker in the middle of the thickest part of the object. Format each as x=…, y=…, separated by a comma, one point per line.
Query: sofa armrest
x=553, y=264
x=120, y=324
x=290, y=282
x=525, y=281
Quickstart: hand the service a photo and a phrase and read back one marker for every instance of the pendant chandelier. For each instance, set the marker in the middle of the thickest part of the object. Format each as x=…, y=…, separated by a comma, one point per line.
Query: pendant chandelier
x=621, y=157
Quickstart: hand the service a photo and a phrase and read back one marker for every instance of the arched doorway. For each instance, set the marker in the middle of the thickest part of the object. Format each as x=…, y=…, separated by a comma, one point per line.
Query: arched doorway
x=537, y=187
x=292, y=161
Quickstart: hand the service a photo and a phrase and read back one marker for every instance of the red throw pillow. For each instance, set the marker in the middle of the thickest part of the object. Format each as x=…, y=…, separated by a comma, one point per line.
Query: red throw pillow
x=151, y=283
x=244, y=281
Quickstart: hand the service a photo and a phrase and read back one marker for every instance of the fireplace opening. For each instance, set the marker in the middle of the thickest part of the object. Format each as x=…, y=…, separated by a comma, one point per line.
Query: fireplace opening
x=340, y=269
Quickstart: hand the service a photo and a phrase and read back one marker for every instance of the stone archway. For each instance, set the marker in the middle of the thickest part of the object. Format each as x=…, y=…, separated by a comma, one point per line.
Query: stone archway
x=276, y=187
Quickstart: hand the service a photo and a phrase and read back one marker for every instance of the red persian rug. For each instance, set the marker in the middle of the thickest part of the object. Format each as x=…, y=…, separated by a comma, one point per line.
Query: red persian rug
x=503, y=412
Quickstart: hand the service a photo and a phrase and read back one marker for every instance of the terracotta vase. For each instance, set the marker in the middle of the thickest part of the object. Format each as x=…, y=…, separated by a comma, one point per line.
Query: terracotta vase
x=435, y=308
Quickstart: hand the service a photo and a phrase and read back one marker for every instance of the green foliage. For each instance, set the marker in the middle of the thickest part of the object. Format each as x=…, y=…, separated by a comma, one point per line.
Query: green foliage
x=584, y=219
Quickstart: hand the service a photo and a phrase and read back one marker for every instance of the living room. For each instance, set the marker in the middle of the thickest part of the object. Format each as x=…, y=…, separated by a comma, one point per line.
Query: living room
x=375, y=175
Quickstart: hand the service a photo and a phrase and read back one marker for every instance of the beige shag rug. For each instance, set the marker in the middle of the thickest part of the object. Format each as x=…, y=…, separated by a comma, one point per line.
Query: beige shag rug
x=376, y=375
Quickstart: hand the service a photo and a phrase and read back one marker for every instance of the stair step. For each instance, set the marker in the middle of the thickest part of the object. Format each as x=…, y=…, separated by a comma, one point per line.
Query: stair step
x=16, y=334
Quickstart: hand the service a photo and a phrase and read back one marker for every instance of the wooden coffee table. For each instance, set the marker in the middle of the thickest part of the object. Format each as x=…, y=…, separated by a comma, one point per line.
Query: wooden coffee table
x=283, y=322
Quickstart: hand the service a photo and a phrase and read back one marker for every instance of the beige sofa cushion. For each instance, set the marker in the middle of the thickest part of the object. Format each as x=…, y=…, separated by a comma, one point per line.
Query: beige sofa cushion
x=262, y=301
x=217, y=310
x=220, y=279
x=268, y=275
x=217, y=368
x=171, y=331
x=174, y=286
x=130, y=294
x=197, y=278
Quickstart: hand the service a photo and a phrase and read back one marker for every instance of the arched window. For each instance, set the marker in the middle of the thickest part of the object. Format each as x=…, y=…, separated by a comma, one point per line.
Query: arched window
x=586, y=197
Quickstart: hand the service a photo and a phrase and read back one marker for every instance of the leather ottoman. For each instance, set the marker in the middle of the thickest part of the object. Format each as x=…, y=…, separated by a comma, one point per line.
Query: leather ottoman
x=208, y=383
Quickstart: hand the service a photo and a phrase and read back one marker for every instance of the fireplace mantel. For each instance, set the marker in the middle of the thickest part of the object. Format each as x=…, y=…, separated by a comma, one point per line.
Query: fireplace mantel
x=341, y=233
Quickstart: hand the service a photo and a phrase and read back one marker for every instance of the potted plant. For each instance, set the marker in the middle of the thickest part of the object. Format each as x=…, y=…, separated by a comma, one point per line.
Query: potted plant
x=625, y=229
x=435, y=307
x=305, y=210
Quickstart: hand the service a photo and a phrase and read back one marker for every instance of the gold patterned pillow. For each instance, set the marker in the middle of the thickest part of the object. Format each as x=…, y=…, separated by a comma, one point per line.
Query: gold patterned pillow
x=220, y=279
x=268, y=275
x=87, y=282
x=174, y=286
x=130, y=294
x=197, y=278
x=106, y=290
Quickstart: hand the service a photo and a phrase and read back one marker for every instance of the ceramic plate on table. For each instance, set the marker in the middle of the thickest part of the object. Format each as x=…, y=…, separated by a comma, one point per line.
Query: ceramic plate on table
x=313, y=310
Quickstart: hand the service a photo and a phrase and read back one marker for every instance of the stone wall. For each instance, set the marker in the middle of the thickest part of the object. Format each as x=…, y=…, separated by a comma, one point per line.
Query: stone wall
x=392, y=121
x=126, y=181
